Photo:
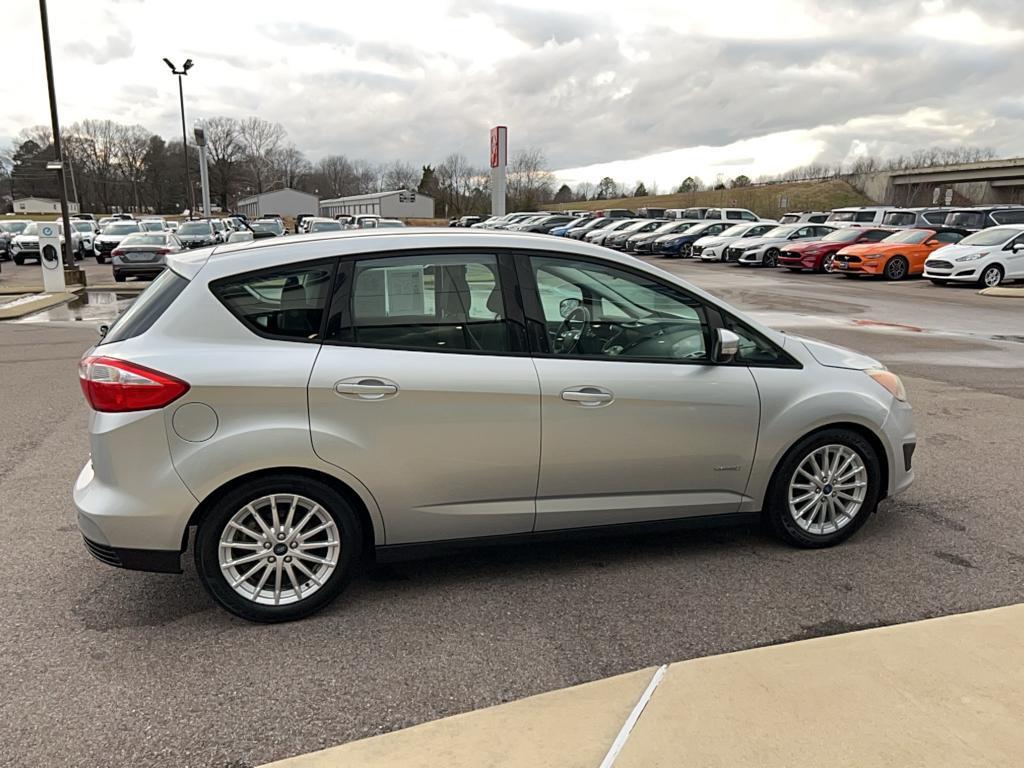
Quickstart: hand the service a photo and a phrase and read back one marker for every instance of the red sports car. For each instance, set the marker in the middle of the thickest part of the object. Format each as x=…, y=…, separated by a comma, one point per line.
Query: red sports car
x=817, y=255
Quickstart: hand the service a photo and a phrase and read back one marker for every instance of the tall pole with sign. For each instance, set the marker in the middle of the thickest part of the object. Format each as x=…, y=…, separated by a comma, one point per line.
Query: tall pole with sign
x=499, y=159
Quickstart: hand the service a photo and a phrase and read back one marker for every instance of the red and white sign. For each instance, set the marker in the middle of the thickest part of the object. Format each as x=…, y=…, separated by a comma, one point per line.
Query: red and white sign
x=499, y=146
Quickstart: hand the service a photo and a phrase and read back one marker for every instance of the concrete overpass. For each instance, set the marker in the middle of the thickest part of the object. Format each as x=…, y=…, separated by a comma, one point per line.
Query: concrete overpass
x=987, y=181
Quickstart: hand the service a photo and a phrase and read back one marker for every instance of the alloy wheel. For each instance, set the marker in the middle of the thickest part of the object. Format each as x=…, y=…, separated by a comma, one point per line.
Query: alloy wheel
x=827, y=489
x=992, y=277
x=896, y=269
x=279, y=549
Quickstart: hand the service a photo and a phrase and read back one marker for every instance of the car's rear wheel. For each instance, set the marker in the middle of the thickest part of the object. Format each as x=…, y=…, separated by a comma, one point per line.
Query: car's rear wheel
x=279, y=548
x=991, y=276
x=896, y=268
x=824, y=489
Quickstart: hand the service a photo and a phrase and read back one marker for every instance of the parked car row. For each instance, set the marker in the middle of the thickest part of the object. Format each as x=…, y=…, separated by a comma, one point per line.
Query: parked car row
x=307, y=223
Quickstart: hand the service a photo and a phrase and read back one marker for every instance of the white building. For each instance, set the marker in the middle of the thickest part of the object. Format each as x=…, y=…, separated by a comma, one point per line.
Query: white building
x=286, y=202
x=399, y=204
x=30, y=205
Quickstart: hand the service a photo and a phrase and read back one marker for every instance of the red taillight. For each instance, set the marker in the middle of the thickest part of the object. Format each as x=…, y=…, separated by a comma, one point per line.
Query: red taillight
x=117, y=252
x=117, y=386
x=162, y=251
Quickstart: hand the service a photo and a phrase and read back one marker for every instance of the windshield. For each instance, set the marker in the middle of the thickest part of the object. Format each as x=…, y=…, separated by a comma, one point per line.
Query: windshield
x=195, y=228
x=120, y=229
x=736, y=230
x=147, y=238
x=779, y=232
x=273, y=226
x=848, y=235
x=994, y=236
x=17, y=227
x=672, y=226
x=909, y=236
x=899, y=219
x=82, y=226
x=152, y=226
x=33, y=229
x=969, y=219
x=325, y=226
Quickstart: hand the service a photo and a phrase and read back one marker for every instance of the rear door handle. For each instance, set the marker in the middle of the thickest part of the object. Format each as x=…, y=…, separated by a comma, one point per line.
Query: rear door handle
x=588, y=397
x=366, y=388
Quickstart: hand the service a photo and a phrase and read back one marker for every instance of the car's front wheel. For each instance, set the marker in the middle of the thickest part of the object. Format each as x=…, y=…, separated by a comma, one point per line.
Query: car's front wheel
x=770, y=258
x=824, y=489
x=991, y=276
x=279, y=548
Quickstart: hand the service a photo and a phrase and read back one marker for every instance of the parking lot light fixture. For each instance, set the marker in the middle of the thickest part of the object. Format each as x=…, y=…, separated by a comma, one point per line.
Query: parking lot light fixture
x=179, y=73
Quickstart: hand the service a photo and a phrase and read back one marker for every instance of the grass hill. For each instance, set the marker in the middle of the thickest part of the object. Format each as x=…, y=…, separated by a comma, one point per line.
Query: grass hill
x=769, y=200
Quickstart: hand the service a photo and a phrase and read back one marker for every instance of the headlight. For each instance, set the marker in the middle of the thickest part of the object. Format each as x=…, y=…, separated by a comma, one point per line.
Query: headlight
x=971, y=257
x=892, y=383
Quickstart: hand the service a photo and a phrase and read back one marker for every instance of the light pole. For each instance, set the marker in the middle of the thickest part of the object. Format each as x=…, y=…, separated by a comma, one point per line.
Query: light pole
x=189, y=198
x=204, y=177
x=57, y=165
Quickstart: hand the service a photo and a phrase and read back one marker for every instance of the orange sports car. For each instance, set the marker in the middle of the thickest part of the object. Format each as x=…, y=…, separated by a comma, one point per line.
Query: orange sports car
x=902, y=253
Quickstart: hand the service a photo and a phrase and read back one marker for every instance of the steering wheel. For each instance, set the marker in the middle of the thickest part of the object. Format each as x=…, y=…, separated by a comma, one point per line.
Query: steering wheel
x=567, y=338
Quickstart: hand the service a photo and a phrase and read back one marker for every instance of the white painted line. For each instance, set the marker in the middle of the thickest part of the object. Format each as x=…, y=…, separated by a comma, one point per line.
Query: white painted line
x=627, y=727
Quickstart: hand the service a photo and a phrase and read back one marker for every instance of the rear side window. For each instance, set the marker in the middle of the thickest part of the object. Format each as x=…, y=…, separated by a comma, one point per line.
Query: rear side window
x=434, y=302
x=152, y=303
x=876, y=234
x=864, y=216
x=1009, y=217
x=280, y=303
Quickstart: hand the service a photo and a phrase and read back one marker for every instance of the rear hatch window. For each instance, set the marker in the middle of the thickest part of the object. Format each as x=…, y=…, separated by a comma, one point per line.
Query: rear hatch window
x=151, y=303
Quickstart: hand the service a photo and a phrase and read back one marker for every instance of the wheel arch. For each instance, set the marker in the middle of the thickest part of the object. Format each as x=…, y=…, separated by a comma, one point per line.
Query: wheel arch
x=865, y=432
x=371, y=531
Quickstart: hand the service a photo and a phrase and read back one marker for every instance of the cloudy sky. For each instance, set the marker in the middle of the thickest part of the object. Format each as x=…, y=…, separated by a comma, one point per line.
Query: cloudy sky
x=651, y=90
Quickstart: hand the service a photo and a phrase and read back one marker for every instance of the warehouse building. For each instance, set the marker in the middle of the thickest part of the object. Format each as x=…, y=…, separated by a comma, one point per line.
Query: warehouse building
x=400, y=204
x=30, y=205
x=285, y=202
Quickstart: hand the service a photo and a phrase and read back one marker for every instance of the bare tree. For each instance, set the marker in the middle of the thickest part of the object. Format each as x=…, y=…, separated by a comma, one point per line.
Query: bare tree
x=260, y=141
x=584, y=191
x=224, y=152
x=335, y=176
x=132, y=143
x=399, y=175
x=291, y=166
x=530, y=181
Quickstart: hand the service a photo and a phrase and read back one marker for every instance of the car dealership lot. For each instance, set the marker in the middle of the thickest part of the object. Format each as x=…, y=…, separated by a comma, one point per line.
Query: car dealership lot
x=121, y=667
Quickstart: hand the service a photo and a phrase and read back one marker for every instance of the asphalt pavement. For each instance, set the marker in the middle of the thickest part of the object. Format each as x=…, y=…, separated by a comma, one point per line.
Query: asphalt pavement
x=100, y=666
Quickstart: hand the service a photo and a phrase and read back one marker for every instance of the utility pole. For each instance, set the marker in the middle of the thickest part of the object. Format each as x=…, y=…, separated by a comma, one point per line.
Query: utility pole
x=58, y=164
x=204, y=176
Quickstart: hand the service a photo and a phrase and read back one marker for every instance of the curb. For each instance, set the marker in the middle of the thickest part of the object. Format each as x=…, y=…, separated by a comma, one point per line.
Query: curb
x=1005, y=293
x=38, y=304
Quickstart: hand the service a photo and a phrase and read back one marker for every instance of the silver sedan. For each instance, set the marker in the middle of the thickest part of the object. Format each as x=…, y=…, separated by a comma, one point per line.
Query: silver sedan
x=308, y=403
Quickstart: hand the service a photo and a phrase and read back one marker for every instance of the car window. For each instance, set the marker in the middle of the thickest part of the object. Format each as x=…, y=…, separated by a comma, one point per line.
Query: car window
x=747, y=216
x=934, y=217
x=805, y=232
x=864, y=216
x=754, y=349
x=596, y=311
x=146, y=309
x=1009, y=217
x=875, y=235
x=283, y=302
x=948, y=237
x=436, y=303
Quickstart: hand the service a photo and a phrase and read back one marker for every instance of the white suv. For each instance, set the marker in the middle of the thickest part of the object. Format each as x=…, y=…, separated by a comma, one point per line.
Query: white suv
x=731, y=214
x=986, y=257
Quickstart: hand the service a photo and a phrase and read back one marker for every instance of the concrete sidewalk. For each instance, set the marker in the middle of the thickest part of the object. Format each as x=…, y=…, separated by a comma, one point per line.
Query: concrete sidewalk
x=942, y=692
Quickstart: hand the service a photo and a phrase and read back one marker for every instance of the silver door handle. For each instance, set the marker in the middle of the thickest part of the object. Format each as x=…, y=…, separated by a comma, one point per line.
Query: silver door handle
x=588, y=396
x=367, y=389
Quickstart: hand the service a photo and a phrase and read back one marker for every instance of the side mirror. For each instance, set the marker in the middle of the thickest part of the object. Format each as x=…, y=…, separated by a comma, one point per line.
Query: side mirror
x=727, y=346
x=103, y=330
x=1017, y=247
x=932, y=243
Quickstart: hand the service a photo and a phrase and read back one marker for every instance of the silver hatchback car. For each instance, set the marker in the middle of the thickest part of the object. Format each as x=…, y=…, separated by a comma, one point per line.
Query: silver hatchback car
x=307, y=404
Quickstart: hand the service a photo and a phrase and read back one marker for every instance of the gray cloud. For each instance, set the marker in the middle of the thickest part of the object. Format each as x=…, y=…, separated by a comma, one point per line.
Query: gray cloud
x=532, y=26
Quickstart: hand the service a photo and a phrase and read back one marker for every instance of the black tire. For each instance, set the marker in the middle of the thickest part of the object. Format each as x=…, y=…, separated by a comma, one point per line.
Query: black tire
x=984, y=277
x=19, y=261
x=897, y=268
x=828, y=263
x=777, y=501
x=770, y=258
x=100, y=259
x=119, y=278
x=937, y=281
x=207, y=546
